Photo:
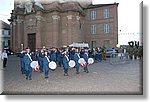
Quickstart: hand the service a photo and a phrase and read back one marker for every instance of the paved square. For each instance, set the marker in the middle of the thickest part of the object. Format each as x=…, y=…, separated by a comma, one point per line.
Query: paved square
x=103, y=78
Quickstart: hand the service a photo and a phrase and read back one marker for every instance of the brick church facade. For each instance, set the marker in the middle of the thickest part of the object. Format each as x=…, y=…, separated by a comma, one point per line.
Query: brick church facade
x=55, y=24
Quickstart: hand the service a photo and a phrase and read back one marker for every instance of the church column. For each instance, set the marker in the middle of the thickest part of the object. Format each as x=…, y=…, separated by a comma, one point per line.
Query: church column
x=25, y=41
x=38, y=31
x=55, y=28
x=69, y=29
x=78, y=29
x=19, y=33
x=64, y=26
x=11, y=36
x=14, y=36
x=74, y=34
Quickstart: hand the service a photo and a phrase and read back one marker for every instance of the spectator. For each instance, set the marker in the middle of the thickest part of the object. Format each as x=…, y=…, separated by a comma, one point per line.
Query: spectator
x=4, y=58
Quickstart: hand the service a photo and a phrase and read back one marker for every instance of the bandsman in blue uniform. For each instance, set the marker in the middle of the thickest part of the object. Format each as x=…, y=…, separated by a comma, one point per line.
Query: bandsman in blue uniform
x=71, y=54
x=76, y=58
x=40, y=60
x=65, y=63
x=27, y=62
x=86, y=56
x=46, y=62
x=53, y=55
x=21, y=55
x=59, y=57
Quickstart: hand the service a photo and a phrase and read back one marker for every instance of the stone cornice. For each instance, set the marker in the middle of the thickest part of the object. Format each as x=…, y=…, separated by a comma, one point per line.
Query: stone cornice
x=19, y=20
x=55, y=17
x=69, y=17
x=77, y=17
x=39, y=18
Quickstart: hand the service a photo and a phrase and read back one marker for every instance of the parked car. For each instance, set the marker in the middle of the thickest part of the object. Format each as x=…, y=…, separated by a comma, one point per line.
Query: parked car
x=18, y=54
x=110, y=51
x=9, y=52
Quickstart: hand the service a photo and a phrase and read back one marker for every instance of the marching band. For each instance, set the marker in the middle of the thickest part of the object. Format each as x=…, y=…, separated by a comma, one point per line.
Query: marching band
x=43, y=60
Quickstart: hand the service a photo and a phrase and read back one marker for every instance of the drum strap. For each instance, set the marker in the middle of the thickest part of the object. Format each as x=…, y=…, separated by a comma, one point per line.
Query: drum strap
x=86, y=54
x=29, y=56
x=67, y=57
x=78, y=55
x=47, y=59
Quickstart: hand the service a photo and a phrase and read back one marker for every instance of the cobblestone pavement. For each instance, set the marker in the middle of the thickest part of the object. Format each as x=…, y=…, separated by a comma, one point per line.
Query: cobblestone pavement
x=103, y=78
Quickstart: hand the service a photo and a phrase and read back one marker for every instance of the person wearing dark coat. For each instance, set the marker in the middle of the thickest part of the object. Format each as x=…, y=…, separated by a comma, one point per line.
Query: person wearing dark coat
x=46, y=61
x=86, y=56
x=81, y=53
x=71, y=55
x=27, y=62
x=65, y=63
x=40, y=60
x=53, y=56
x=59, y=57
x=76, y=58
x=21, y=55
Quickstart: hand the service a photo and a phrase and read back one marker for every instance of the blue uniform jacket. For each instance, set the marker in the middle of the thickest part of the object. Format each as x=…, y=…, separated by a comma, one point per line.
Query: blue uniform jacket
x=85, y=57
x=65, y=61
x=59, y=57
x=40, y=59
x=45, y=63
x=27, y=60
x=53, y=56
x=71, y=56
x=22, y=59
x=76, y=58
x=22, y=56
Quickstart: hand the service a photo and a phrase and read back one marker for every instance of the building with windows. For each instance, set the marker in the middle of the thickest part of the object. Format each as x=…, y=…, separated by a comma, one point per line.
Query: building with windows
x=4, y=34
x=63, y=22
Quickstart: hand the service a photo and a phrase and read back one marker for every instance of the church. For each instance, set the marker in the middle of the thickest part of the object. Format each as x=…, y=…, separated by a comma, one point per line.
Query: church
x=58, y=23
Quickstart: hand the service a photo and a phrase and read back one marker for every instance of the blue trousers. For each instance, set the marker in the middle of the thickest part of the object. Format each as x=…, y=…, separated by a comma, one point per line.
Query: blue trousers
x=100, y=57
x=22, y=67
x=77, y=66
x=85, y=68
x=65, y=69
x=28, y=71
x=59, y=62
x=46, y=70
x=40, y=64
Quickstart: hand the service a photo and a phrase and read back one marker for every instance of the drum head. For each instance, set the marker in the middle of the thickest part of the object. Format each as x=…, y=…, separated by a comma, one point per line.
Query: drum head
x=52, y=65
x=72, y=63
x=81, y=60
x=90, y=61
x=34, y=64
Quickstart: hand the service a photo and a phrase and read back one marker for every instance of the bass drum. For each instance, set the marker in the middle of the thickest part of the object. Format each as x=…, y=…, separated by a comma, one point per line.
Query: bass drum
x=81, y=60
x=72, y=63
x=52, y=65
x=90, y=61
x=34, y=64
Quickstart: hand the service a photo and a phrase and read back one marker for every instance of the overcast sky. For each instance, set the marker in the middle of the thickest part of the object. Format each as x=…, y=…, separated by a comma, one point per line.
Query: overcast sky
x=128, y=17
